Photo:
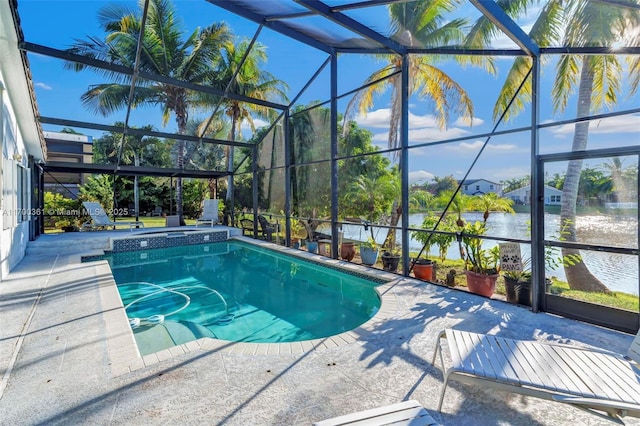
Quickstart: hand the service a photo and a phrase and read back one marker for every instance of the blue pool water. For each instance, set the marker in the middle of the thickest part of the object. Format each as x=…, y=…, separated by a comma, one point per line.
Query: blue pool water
x=237, y=292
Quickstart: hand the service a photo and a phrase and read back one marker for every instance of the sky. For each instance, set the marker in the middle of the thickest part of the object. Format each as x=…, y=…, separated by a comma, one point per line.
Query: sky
x=58, y=23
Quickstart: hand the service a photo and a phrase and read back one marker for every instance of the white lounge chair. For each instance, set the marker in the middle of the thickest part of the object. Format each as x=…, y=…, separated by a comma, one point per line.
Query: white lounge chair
x=101, y=220
x=597, y=381
x=402, y=413
x=210, y=214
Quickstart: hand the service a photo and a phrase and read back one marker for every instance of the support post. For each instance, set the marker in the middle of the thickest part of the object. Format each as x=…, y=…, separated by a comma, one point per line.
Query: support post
x=334, y=155
x=404, y=162
x=537, y=197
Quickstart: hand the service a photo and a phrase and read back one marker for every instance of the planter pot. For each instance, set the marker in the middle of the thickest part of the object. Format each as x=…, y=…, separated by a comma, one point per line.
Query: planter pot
x=368, y=255
x=481, y=284
x=519, y=292
x=347, y=251
x=312, y=246
x=390, y=262
x=423, y=269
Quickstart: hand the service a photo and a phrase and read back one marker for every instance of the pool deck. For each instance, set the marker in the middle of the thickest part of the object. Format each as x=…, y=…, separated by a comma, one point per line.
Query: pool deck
x=66, y=359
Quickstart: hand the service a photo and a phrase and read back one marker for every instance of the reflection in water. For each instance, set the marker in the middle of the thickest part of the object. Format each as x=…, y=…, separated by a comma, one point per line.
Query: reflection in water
x=617, y=271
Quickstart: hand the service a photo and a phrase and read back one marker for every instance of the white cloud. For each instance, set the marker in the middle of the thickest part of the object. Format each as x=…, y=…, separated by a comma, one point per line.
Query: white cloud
x=422, y=128
x=619, y=124
x=419, y=176
x=378, y=118
x=465, y=122
x=429, y=134
x=474, y=147
x=43, y=86
x=257, y=122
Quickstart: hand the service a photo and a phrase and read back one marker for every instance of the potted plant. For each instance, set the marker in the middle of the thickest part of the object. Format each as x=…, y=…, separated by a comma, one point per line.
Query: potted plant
x=481, y=264
x=312, y=246
x=296, y=233
x=426, y=268
x=390, y=259
x=347, y=250
x=369, y=252
x=517, y=281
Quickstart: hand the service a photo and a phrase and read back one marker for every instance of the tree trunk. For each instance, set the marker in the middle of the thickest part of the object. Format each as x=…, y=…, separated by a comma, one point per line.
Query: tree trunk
x=396, y=214
x=578, y=276
x=181, y=119
x=230, y=152
x=136, y=192
x=213, y=188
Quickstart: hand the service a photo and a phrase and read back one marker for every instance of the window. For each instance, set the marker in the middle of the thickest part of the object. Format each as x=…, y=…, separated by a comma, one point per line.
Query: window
x=466, y=187
x=555, y=198
x=491, y=187
x=22, y=193
x=477, y=187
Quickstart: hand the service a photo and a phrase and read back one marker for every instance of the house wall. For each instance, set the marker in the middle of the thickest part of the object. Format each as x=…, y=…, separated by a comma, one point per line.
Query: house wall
x=16, y=187
x=552, y=196
x=481, y=187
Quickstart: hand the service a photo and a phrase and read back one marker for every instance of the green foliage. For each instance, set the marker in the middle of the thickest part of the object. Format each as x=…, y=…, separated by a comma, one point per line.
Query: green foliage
x=61, y=211
x=442, y=241
x=98, y=188
x=195, y=191
x=370, y=243
x=478, y=259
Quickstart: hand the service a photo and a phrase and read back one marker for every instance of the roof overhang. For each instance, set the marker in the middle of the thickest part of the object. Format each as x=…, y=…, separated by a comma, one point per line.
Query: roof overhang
x=14, y=67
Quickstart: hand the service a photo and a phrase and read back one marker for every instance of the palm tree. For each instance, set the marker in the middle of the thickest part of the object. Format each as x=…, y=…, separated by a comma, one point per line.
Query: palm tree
x=164, y=53
x=491, y=202
x=249, y=81
x=423, y=23
x=207, y=156
x=578, y=23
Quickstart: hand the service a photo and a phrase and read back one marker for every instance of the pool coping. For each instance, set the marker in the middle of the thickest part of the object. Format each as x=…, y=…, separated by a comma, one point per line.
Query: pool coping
x=123, y=351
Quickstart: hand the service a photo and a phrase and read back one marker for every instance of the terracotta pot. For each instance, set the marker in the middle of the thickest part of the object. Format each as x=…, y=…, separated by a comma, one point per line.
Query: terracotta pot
x=481, y=284
x=423, y=269
x=347, y=251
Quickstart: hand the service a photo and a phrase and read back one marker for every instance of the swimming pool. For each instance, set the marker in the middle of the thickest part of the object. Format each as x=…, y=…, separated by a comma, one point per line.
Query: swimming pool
x=238, y=292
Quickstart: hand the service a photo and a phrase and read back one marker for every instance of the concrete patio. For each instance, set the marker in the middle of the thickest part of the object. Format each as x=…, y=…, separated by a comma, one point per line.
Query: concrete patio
x=57, y=360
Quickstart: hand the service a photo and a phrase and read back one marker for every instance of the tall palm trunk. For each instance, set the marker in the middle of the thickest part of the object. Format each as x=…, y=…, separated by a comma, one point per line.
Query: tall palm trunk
x=578, y=276
x=136, y=192
x=181, y=119
x=213, y=188
x=230, y=153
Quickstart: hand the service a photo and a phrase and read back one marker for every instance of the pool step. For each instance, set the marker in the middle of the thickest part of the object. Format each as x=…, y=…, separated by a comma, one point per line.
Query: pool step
x=72, y=244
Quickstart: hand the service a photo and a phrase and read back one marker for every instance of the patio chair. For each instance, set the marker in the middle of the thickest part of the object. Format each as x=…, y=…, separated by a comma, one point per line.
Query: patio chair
x=402, y=413
x=157, y=211
x=247, y=226
x=597, y=381
x=101, y=220
x=210, y=215
x=267, y=228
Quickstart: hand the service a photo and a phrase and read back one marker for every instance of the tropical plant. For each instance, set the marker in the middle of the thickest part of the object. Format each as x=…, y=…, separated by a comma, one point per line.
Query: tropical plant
x=370, y=244
x=478, y=259
x=98, y=188
x=460, y=203
x=421, y=23
x=164, y=53
x=491, y=202
x=575, y=23
x=240, y=72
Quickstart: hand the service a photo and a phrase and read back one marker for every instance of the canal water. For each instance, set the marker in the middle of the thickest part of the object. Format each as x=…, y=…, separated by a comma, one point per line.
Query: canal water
x=617, y=271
